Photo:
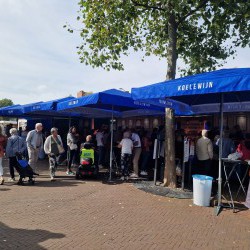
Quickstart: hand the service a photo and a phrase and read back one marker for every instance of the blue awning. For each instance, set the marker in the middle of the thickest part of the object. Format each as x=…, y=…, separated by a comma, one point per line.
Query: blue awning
x=37, y=109
x=200, y=89
x=117, y=101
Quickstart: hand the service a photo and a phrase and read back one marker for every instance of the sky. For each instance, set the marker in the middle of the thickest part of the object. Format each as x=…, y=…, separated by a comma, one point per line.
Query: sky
x=39, y=61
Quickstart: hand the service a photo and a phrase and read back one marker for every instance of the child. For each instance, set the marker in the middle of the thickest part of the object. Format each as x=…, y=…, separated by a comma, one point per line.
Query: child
x=126, y=146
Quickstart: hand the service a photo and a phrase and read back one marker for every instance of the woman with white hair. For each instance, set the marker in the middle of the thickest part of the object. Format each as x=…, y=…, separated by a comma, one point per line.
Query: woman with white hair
x=126, y=146
x=3, y=140
x=15, y=144
x=53, y=147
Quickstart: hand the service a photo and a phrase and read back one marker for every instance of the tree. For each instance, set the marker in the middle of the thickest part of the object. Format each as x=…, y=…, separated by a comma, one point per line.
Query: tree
x=5, y=102
x=202, y=33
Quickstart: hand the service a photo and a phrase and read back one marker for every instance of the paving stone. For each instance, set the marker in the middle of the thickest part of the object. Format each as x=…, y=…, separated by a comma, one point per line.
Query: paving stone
x=89, y=214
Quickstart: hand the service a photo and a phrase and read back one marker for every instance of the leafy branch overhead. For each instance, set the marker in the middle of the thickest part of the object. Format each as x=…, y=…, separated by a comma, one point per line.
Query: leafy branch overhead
x=203, y=33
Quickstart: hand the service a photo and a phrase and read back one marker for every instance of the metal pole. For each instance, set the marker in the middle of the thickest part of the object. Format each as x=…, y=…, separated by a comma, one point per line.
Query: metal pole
x=183, y=175
x=219, y=206
x=69, y=122
x=111, y=145
x=183, y=165
x=156, y=160
x=17, y=123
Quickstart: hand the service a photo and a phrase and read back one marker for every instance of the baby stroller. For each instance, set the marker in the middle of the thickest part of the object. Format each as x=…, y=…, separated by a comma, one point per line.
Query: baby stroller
x=24, y=170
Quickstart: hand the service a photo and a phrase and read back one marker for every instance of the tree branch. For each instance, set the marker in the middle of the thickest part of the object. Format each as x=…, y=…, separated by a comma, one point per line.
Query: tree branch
x=202, y=4
x=147, y=6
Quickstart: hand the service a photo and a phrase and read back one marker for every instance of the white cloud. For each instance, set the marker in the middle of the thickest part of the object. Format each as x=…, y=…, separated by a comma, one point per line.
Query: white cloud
x=39, y=62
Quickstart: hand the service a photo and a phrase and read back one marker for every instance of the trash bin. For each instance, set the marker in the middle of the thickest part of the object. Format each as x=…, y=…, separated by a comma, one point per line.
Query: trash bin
x=202, y=187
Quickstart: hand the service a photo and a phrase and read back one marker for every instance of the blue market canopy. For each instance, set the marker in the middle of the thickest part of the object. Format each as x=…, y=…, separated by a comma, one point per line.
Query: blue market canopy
x=115, y=100
x=37, y=109
x=8, y=107
x=206, y=93
x=16, y=110
x=199, y=89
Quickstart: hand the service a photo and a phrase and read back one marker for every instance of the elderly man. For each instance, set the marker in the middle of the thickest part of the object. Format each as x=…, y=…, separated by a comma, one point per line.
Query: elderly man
x=204, y=152
x=34, y=144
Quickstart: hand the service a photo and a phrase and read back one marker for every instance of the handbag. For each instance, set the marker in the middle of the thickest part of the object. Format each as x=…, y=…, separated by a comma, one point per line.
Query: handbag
x=59, y=146
x=72, y=146
x=60, y=149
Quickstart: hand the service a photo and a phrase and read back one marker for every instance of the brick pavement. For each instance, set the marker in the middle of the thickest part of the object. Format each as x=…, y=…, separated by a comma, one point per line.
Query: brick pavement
x=76, y=214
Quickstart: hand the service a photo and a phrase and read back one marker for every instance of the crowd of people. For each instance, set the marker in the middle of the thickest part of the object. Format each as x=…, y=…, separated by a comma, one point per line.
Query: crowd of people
x=133, y=149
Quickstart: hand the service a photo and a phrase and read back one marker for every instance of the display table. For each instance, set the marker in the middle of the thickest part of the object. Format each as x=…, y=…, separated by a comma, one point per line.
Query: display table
x=230, y=167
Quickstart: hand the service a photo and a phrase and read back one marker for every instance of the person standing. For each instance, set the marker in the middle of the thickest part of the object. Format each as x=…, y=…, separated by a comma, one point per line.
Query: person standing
x=72, y=140
x=53, y=147
x=100, y=146
x=126, y=146
x=228, y=146
x=204, y=152
x=34, y=144
x=15, y=144
x=136, y=152
x=3, y=140
x=244, y=149
x=146, y=154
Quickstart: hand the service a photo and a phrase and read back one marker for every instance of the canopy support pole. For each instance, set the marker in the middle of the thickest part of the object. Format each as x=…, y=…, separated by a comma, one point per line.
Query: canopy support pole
x=111, y=145
x=156, y=160
x=219, y=205
x=69, y=122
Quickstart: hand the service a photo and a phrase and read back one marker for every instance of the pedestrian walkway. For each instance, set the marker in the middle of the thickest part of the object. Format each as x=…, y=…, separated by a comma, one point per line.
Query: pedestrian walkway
x=88, y=214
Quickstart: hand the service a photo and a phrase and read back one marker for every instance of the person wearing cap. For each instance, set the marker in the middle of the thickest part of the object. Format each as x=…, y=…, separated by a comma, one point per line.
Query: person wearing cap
x=204, y=152
x=34, y=144
x=53, y=147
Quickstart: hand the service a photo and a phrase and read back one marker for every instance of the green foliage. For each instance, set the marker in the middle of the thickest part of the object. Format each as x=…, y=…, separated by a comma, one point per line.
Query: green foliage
x=5, y=102
x=204, y=29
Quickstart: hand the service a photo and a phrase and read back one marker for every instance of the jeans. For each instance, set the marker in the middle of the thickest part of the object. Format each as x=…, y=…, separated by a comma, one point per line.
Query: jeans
x=72, y=156
x=204, y=167
x=145, y=160
x=101, y=153
x=12, y=165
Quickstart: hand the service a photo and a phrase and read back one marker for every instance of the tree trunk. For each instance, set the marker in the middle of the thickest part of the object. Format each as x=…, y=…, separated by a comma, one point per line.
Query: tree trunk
x=170, y=170
x=172, y=53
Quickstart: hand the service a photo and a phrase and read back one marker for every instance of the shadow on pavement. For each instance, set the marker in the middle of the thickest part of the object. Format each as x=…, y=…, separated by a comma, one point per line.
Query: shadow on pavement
x=4, y=189
x=17, y=238
x=149, y=187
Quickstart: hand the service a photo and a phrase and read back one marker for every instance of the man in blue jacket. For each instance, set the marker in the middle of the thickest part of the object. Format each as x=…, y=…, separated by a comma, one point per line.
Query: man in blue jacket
x=15, y=144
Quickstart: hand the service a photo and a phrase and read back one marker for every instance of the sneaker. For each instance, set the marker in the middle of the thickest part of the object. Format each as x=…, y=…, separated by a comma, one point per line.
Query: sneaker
x=70, y=173
x=143, y=173
x=126, y=178
x=52, y=178
x=122, y=178
x=134, y=175
x=100, y=166
x=11, y=179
